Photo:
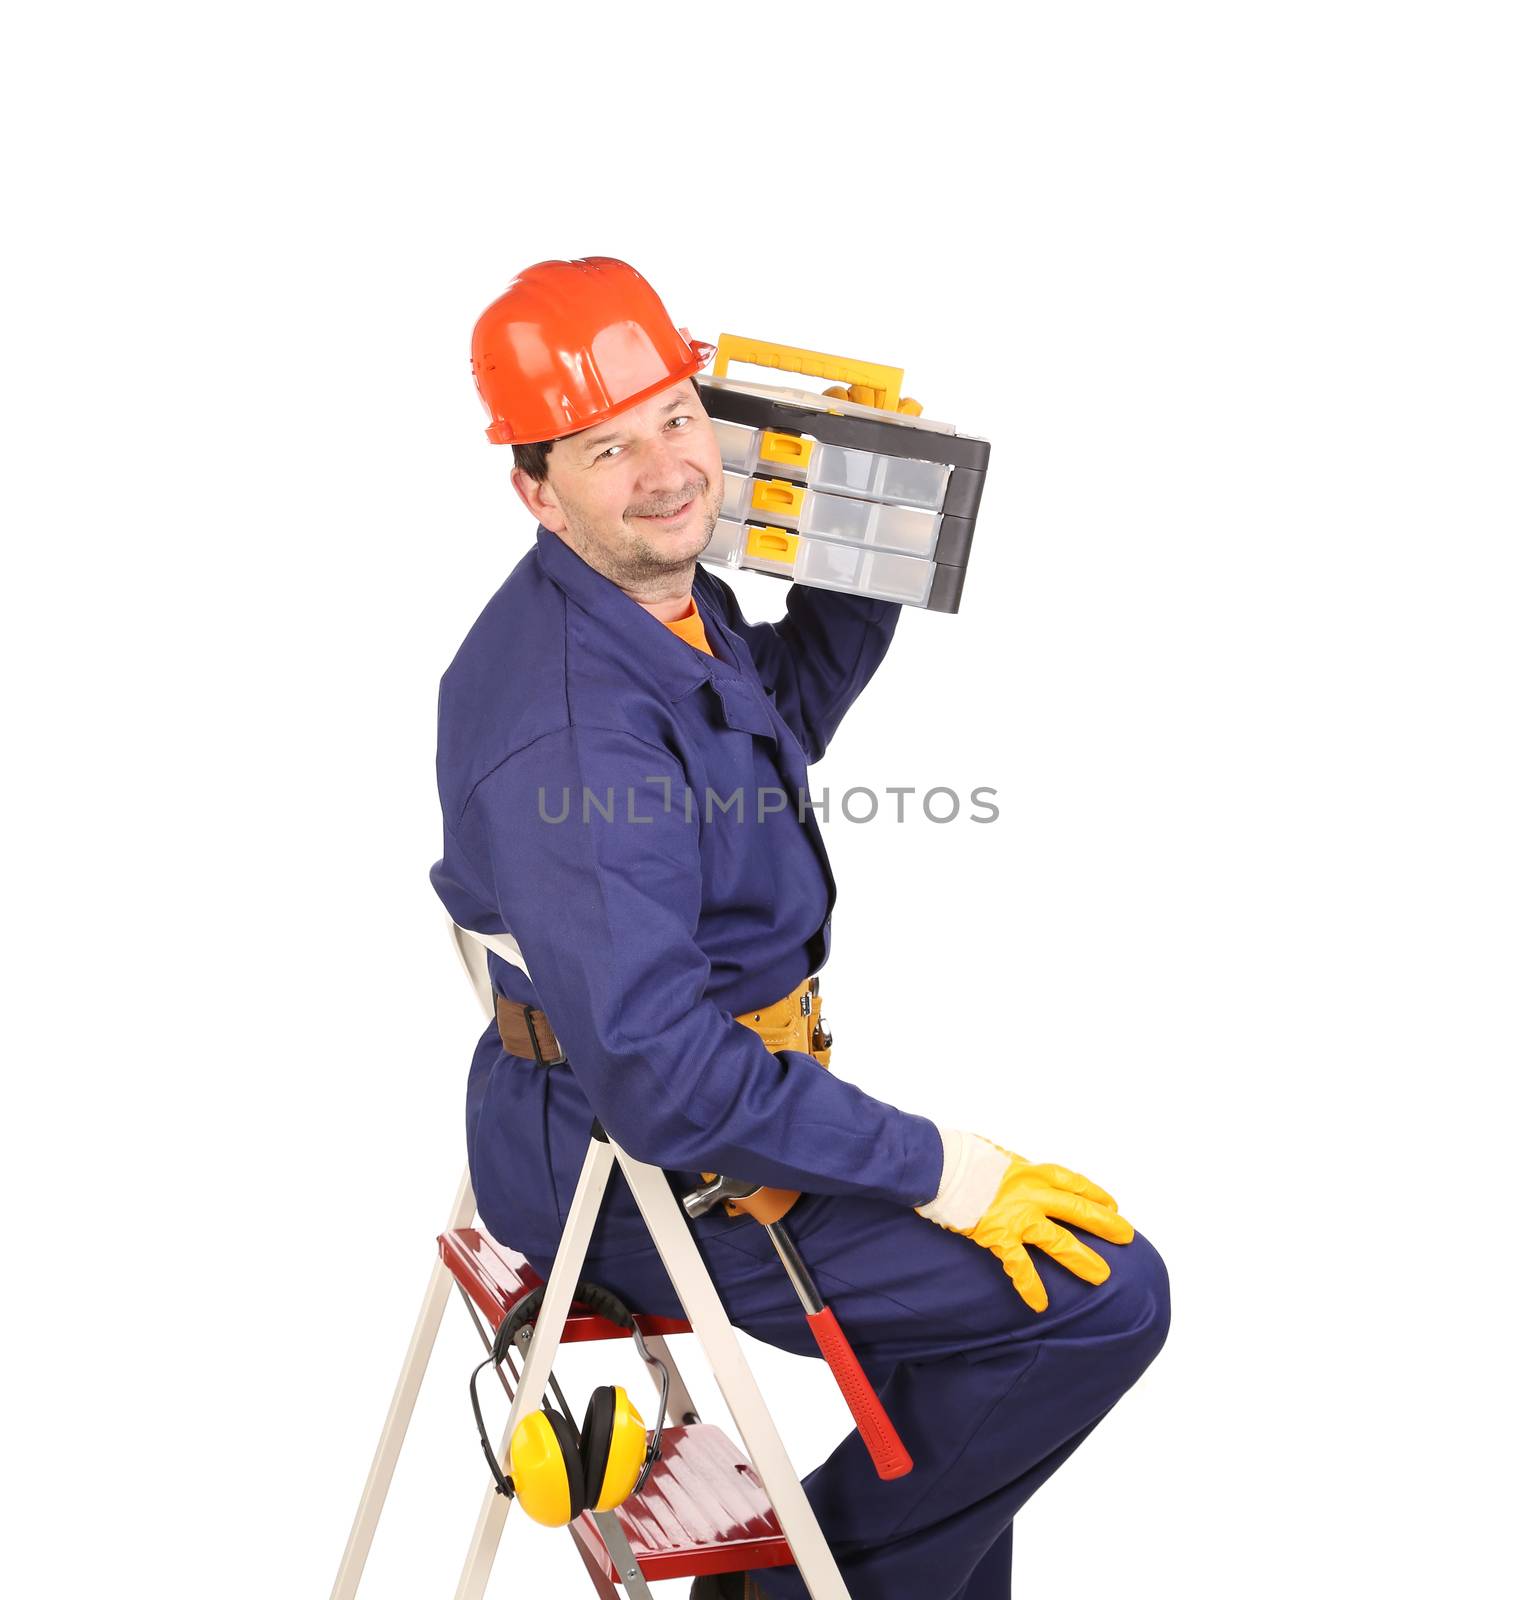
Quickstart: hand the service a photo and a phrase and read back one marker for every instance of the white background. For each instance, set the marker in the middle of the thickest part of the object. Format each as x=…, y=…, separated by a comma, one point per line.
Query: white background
x=1238, y=294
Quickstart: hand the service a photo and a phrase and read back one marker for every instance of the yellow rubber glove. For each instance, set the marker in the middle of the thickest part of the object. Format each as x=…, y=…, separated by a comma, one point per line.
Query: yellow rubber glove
x=1004, y=1203
x=863, y=394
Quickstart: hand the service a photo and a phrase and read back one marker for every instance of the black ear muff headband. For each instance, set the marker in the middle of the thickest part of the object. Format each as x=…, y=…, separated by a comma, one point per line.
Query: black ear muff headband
x=593, y=1441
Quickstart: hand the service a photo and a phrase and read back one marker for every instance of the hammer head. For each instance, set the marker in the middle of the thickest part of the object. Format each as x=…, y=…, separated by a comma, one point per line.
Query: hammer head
x=700, y=1201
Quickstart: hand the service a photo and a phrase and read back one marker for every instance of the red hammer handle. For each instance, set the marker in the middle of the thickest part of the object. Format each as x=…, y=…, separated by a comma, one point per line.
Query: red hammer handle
x=882, y=1442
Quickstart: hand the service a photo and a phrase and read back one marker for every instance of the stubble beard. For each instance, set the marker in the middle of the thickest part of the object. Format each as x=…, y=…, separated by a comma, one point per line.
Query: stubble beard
x=638, y=566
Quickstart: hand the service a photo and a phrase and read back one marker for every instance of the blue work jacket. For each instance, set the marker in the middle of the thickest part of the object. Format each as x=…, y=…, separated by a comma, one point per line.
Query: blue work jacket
x=634, y=813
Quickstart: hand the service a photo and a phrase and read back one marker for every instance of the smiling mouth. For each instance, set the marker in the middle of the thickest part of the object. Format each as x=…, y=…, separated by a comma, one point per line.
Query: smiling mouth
x=673, y=516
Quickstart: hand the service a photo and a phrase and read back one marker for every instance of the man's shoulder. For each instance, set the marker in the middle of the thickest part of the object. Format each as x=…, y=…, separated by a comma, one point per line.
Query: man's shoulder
x=510, y=637
x=533, y=665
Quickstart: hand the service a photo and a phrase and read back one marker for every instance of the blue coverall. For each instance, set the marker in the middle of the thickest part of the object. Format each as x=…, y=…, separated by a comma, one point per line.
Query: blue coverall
x=628, y=808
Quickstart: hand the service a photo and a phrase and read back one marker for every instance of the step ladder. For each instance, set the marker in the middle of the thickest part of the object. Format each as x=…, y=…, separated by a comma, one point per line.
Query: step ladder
x=706, y=1508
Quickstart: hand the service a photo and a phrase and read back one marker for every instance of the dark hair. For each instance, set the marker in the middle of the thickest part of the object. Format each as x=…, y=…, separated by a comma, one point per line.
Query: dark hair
x=532, y=458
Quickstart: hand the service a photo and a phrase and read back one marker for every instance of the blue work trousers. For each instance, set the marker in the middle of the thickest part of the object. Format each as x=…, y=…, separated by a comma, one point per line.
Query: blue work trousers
x=989, y=1397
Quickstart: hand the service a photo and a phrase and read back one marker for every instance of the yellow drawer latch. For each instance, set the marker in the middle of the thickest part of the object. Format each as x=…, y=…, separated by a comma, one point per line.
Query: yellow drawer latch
x=785, y=449
x=772, y=495
x=769, y=544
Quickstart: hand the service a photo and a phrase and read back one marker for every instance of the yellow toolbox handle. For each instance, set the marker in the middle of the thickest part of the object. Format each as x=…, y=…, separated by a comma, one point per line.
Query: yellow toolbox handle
x=886, y=382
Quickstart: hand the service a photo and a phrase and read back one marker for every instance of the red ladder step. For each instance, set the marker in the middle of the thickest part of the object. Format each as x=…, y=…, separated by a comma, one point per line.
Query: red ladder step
x=495, y=1278
x=702, y=1510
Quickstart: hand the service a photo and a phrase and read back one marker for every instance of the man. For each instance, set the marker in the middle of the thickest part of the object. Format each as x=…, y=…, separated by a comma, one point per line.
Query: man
x=614, y=742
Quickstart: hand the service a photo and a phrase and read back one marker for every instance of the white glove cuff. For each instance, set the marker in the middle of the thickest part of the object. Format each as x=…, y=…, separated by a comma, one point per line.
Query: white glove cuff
x=969, y=1180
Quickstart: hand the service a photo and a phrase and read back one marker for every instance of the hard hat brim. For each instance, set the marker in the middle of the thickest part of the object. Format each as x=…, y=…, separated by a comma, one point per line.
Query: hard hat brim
x=701, y=353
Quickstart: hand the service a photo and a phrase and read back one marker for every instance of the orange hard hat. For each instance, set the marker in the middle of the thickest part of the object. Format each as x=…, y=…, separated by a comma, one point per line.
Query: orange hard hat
x=571, y=343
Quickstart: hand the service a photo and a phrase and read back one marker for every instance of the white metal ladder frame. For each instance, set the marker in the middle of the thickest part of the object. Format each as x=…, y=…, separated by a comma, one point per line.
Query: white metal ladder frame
x=703, y=1309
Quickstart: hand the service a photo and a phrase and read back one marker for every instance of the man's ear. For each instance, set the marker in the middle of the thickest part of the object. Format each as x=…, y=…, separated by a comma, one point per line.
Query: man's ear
x=540, y=500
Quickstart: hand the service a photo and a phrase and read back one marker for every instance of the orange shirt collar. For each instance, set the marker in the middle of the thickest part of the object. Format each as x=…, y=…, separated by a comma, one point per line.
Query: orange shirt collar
x=691, y=628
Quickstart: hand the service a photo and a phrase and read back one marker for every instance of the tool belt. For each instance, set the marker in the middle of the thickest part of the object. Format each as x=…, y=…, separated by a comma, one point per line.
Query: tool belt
x=795, y=1022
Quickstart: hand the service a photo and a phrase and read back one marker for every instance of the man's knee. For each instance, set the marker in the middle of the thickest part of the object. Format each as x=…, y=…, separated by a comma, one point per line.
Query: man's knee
x=1137, y=1299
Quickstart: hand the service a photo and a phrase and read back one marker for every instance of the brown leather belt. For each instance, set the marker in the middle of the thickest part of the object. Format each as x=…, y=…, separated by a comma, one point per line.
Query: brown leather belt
x=794, y=1022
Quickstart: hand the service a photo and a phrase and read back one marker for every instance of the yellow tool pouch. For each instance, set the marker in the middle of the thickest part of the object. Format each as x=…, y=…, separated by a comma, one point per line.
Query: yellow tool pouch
x=792, y=1023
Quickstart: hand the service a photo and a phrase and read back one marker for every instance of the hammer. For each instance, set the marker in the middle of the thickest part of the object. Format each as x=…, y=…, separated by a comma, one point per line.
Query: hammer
x=881, y=1439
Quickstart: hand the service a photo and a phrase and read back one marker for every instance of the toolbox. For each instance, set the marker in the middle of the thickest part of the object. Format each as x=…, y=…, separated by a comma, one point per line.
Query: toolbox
x=866, y=499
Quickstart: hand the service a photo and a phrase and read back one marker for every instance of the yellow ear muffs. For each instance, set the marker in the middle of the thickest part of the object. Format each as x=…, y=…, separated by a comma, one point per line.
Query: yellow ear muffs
x=613, y=1444
x=560, y=1471
x=546, y=1469
x=629, y=1448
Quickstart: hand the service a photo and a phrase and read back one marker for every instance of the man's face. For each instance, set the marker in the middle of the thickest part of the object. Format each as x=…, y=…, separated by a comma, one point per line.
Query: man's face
x=637, y=495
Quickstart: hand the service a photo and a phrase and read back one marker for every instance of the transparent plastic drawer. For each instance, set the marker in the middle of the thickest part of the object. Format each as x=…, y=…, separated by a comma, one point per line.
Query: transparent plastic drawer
x=877, y=477
x=737, y=494
x=899, y=528
x=822, y=563
x=738, y=444
x=863, y=474
x=832, y=516
x=727, y=540
x=878, y=574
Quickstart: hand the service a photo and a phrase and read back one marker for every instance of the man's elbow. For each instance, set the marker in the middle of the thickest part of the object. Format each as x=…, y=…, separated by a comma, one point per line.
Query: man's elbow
x=657, y=1142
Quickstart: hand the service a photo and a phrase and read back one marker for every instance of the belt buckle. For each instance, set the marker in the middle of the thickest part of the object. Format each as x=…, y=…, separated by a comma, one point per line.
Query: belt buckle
x=819, y=1037
x=808, y=996
x=536, y=1044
